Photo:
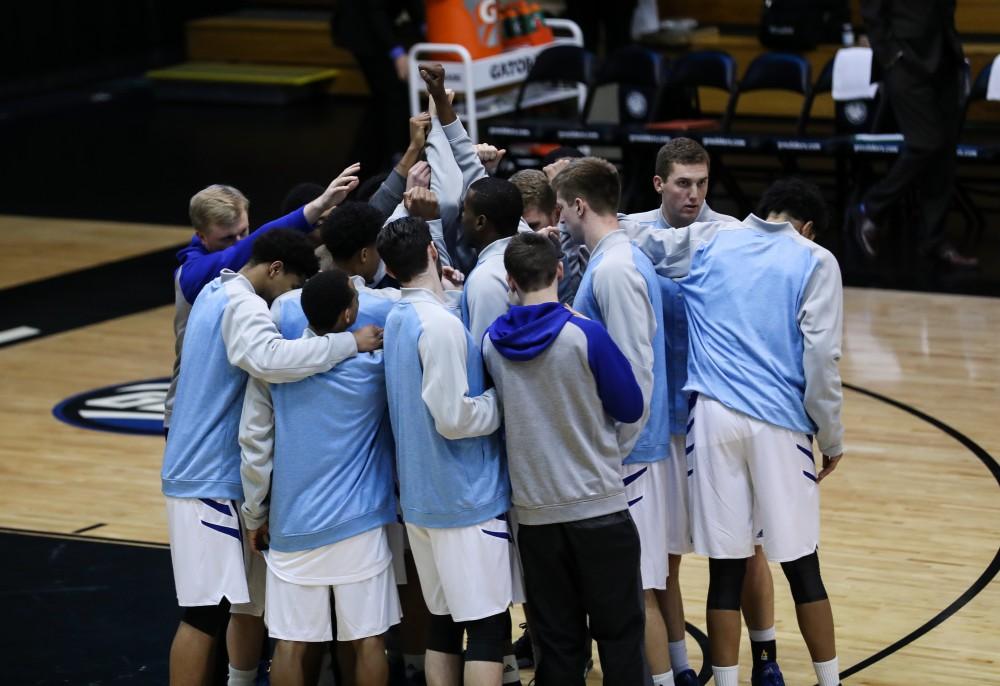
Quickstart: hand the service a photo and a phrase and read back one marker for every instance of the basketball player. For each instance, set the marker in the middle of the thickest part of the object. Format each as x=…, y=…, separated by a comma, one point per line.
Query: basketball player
x=555, y=373
x=538, y=198
x=540, y=211
x=232, y=332
x=443, y=417
x=765, y=305
x=490, y=217
x=319, y=491
x=220, y=220
x=681, y=181
x=620, y=290
x=350, y=234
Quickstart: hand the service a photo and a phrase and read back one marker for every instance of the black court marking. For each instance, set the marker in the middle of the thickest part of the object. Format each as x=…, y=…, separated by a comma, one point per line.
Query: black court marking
x=74, y=536
x=90, y=528
x=979, y=584
x=89, y=296
x=82, y=610
x=706, y=664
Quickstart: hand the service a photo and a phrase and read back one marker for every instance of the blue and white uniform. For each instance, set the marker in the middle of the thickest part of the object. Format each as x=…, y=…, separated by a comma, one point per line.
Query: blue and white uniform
x=318, y=469
x=620, y=290
x=486, y=295
x=765, y=312
x=198, y=267
x=231, y=329
x=453, y=480
x=676, y=341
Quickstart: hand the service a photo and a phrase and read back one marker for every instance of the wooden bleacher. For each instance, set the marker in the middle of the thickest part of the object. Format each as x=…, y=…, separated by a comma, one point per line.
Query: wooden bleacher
x=274, y=36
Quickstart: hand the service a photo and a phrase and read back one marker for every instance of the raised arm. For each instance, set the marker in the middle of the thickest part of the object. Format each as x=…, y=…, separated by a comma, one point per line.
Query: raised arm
x=462, y=147
x=334, y=194
x=390, y=193
x=446, y=177
x=196, y=273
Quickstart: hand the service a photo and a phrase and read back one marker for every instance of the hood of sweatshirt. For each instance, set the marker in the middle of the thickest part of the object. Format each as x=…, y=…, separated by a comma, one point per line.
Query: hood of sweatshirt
x=526, y=331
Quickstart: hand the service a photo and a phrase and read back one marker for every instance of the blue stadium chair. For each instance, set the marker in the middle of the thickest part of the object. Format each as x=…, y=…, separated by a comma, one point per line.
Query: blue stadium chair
x=636, y=72
x=823, y=85
x=678, y=105
x=978, y=89
x=974, y=219
x=562, y=64
x=771, y=71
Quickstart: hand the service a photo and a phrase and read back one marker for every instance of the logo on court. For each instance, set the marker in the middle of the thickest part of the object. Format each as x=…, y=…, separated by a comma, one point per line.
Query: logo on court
x=132, y=408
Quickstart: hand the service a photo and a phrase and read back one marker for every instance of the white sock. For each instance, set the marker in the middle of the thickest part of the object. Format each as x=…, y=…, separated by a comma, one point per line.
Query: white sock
x=762, y=634
x=678, y=656
x=413, y=663
x=511, y=673
x=665, y=679
x=726, y=676
x=242, y=677
x=827, y=673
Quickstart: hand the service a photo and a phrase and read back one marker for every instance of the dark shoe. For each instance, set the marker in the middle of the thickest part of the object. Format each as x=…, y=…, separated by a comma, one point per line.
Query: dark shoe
x=768, y=675
x=523, y=651
x=949, y=256
x=686, y=678
x=865, y=231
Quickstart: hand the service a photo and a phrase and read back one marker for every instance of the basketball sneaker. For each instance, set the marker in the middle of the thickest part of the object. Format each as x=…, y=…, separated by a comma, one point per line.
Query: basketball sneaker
x=686, y=678
x=768, y=675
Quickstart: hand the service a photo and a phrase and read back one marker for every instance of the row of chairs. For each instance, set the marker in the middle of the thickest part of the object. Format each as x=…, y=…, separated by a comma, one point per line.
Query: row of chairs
x=652, y=88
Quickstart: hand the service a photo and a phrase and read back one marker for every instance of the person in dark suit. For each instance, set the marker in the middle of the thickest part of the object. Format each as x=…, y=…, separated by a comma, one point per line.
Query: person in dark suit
x=613, y=19
x=378, y=33
x=919, y=56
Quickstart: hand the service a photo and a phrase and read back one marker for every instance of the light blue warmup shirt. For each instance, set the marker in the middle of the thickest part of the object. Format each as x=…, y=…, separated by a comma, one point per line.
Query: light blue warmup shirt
x=621, y=290
x=333, y=449
x=448, y=459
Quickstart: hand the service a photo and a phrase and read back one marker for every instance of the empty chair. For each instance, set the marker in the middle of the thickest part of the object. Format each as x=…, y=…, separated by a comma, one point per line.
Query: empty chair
x=678, y=105
x=980, y=86
x=823, y=85
x=635, y=70
x=563, y=64
x=772, y=71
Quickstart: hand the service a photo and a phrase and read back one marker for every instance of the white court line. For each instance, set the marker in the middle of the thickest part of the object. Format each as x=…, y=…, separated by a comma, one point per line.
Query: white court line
x=112, y=414
x=17, y=333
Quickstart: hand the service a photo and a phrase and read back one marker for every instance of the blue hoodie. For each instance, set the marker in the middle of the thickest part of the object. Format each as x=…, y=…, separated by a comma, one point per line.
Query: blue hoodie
x=564, y=387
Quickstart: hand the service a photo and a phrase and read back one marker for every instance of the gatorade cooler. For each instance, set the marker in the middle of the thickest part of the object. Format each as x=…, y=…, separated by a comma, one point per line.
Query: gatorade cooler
x=472, y=24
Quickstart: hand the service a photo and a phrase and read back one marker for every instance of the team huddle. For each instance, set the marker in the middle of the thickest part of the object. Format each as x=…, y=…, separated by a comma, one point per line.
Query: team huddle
x=498, y=392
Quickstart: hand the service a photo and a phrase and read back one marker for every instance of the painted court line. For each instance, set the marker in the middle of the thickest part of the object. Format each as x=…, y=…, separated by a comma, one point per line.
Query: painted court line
x=17, y=333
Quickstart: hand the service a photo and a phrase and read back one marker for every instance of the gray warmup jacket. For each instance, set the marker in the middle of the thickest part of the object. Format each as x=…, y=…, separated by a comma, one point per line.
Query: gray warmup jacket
x=563, y=384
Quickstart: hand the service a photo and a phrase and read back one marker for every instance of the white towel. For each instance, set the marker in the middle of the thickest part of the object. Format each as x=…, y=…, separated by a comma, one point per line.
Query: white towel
x=993, y=87
x=852, y=75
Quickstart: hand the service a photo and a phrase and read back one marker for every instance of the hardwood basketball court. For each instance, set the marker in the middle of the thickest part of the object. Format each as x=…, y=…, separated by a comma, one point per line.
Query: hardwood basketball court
x=911, y=518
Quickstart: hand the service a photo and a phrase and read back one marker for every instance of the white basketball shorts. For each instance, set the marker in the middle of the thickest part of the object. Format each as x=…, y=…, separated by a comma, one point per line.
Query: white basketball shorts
x=647, y=490
x=464, y=572
x=302, y=613
x=753, y=483
x=211, y=556
x=678, y=498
